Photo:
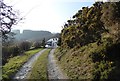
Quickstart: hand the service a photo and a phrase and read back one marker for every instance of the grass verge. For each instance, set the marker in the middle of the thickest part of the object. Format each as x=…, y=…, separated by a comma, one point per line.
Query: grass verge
x=39, y=71
x=93, y=62
x=14, y=64
x=75, y=63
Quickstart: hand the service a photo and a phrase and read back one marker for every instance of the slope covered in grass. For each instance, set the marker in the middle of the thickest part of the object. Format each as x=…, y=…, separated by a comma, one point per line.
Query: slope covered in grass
x=90, y=43
x=90, y=62
x=14, y=64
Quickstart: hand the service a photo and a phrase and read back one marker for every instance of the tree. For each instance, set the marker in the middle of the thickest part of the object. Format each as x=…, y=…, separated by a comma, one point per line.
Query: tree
x=8, y=18
x=37, y=44
x=25, y=45
x=43, y=42
x=10, y=39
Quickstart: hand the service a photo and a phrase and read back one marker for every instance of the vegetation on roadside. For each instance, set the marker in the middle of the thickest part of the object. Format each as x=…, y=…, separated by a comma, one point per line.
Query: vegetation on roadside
x=12, y=50
x=90, y=43
x=39, y=71
x=14, y=64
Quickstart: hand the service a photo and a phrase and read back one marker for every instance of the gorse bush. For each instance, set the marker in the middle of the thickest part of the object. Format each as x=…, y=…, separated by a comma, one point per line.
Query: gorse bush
x=92, y=41
x=89, y=24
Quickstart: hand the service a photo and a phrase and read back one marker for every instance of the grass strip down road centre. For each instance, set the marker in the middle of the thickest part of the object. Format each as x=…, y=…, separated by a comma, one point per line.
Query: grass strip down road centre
x=39, y=70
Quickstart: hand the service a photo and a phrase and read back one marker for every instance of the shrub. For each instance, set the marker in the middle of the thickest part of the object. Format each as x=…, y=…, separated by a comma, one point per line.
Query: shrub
x=37, y=44
x=25, y=45
x=10, y=51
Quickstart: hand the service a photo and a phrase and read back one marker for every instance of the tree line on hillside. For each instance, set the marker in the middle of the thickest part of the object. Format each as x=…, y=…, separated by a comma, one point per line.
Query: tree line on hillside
x=32, y=35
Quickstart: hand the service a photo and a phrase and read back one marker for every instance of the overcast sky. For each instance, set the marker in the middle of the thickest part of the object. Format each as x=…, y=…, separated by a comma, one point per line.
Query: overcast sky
x=47, y=15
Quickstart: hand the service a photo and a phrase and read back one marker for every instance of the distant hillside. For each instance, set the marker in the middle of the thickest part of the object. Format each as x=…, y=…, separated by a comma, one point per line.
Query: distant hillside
x=33, y=35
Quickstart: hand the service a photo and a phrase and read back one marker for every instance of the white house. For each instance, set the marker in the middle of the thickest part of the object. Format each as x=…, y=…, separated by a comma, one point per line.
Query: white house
x=52, y=43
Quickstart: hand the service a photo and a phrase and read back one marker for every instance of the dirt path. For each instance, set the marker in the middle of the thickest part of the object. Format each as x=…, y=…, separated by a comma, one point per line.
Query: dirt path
x=26, y=68
x=54, y=71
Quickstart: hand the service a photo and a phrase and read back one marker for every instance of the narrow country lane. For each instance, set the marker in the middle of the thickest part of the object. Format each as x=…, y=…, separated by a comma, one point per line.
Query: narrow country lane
x=26, y=68
x=54, y=71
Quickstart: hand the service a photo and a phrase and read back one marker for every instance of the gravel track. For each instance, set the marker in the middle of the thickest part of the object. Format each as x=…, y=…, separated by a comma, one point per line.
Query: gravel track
x=54, y=71
x=26, y=68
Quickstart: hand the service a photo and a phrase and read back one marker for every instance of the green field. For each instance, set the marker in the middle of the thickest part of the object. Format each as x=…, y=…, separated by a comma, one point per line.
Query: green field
x=14, y=64
x=39, y=71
